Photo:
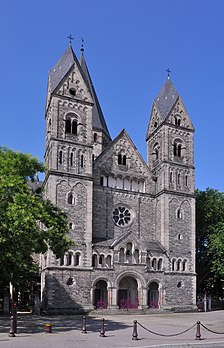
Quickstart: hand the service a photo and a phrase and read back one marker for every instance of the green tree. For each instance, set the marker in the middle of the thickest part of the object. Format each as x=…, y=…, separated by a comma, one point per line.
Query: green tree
x=23, y=214
x=210, y=240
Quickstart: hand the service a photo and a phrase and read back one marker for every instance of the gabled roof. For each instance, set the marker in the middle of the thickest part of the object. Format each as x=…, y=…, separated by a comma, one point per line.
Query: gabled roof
x=149, y=245
x=98, y=118
x=122, y=134
x=166, y=98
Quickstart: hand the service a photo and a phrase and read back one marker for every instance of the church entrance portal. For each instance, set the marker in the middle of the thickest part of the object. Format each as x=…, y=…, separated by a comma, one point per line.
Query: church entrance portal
x=101, y=294
x=153, y=295
x=128, y=293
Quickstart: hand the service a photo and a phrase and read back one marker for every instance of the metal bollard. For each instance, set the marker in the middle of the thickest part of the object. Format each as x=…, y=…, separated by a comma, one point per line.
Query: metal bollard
x=84, y=325
x=14, y=314
x=48, y=328
x=102, y=330
x=198, y=331
x=135, y=333
x=11, y=332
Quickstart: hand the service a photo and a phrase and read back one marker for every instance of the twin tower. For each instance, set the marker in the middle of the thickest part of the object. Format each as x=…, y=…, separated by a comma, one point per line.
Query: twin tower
x=133, y=222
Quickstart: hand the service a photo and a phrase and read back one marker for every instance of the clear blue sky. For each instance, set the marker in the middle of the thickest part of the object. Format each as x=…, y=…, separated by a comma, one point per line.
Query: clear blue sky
x=129, y=44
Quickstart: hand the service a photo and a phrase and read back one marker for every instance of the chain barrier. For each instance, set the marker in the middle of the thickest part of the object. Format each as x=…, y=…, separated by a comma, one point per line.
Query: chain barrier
x=215, y=332
x=167, y=335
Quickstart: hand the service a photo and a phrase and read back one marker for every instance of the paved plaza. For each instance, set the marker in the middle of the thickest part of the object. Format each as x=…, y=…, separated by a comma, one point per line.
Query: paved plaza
x=67, y=331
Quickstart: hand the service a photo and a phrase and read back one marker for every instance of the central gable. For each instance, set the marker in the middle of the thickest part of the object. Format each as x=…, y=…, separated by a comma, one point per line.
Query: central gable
x=122, y=159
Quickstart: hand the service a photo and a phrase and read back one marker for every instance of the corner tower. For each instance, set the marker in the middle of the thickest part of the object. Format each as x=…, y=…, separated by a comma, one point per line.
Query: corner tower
x=76, y=134
x=170, y=157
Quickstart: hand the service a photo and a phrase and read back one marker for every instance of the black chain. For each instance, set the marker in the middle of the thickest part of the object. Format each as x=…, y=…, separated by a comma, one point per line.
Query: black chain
x=169, y=335
x=215, y=332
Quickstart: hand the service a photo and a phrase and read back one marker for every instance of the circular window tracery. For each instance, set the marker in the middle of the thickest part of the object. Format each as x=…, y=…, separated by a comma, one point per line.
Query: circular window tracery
x=122, y=216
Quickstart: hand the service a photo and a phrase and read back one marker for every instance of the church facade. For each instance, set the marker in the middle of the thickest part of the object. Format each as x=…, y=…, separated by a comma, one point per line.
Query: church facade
x=133, y=221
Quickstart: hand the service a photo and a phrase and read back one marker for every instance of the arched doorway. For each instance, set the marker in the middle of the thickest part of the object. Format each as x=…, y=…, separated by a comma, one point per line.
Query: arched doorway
x=153, y=295
x=100, y=299
x=128, y=293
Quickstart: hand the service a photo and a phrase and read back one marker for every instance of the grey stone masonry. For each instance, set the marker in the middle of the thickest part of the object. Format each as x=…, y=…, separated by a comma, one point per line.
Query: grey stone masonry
x=133, y=222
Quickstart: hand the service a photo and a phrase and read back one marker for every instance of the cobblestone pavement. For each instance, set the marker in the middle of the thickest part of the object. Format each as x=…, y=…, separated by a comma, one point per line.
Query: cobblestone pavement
x=67, y=331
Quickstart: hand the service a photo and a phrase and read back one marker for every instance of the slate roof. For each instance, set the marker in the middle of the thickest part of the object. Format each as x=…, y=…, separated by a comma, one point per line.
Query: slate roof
x=166, y=98
x=61, y=68
x=98, y=118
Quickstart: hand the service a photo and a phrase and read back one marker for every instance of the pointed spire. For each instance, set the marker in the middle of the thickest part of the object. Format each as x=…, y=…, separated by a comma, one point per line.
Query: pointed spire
x=166, y=97
x=98, y=118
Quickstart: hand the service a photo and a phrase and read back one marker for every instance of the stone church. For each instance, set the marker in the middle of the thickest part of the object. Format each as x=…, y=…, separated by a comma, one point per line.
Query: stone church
x=133, y=221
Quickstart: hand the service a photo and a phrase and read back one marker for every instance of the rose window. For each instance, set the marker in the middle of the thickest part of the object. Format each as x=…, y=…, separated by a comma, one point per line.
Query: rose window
x=121, y=216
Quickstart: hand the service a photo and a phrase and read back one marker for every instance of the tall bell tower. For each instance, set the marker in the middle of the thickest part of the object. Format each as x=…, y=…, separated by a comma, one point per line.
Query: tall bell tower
x=170, y=157
x=76, y=135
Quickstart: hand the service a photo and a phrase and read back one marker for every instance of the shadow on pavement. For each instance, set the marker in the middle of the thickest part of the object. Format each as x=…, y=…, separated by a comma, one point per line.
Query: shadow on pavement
x=36, y=324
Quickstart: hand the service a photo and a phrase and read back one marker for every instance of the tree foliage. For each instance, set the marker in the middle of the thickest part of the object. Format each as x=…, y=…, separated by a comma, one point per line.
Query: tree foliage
x=210, y=240
x=23, y=214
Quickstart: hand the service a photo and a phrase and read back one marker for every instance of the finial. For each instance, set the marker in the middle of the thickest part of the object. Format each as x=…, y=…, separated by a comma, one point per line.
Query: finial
x=70, y=39
x=82, y=48
x=168, y=72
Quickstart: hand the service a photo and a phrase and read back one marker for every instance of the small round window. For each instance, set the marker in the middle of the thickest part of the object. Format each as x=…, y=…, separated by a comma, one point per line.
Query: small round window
x=122, y=216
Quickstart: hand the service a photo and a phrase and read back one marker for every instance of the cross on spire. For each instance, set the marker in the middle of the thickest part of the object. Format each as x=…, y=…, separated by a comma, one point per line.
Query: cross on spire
x=168, y=72
x=70, y=39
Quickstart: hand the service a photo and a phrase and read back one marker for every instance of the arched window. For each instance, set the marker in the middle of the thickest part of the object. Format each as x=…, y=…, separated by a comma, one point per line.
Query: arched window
x=179, y=214
x=173, y=264
x=74, y=127
x=77, y=259
x=82, y=161
x=148, y=262
x=71, y=158
x=70, y=198
x=136, y=256
x=61, y=261
x=60, y=157
x=101, y=260
x=171, y=177
x=70, y=225
x=178, y=179
x=160, y=262
x=177, y=148
x=154, y=264
x=186, y=180
x=95, y=137
x=121, y=255
x=69, y=258
x=122, y=159
x=178, y=265
x=94, y=260
x=108, y=261
x=68, y=126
